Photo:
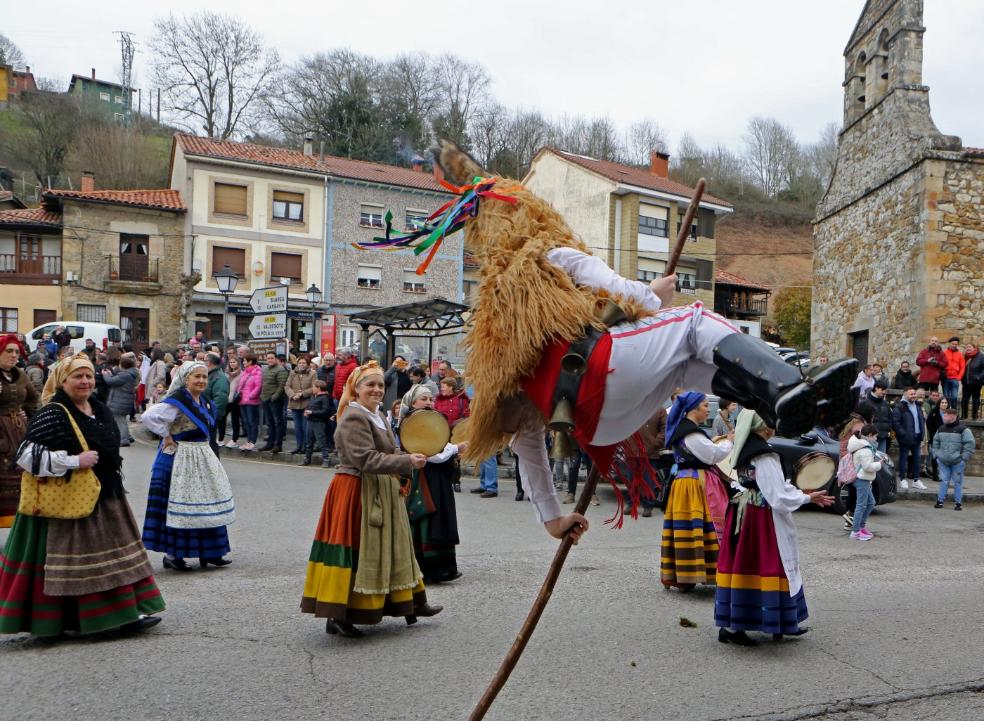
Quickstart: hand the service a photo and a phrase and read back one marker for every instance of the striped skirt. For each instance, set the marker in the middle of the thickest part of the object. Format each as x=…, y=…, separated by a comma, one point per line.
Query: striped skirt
x=87, y=575
x=209, y=543
x=752, y=591
x=689, y=548
x=334, y=560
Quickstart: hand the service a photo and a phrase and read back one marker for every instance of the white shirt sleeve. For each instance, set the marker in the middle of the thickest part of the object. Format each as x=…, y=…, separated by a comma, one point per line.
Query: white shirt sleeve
x=158, y=418
x=779, y=493
x=53, y=463
x=705, y=449
x=534, y=467
x=590, y=271
x=450, y=450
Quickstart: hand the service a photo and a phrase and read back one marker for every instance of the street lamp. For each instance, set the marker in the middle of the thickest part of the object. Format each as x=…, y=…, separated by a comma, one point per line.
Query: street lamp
x=314, y=297
x=226, y=280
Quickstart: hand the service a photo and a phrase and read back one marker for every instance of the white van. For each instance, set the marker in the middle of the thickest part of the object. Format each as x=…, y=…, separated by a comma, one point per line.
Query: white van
x=101, y=333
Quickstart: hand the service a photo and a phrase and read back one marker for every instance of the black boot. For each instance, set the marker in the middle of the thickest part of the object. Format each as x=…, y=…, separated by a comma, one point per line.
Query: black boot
x=752, y=374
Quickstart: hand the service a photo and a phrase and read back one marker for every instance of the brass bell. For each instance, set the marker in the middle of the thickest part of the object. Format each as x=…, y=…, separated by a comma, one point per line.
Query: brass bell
x=563, y=446
x=611, y=313
x=563, y=417
x=573, y=363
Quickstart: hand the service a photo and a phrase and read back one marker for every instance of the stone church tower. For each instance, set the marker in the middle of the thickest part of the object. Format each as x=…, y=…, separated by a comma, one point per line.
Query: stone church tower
x=899, y=235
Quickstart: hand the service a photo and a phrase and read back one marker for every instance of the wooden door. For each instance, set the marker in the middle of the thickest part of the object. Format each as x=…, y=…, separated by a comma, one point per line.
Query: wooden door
x=42, y=317
x=30, y=261
x=134, y=260
x=135, y=324
x=859, y=347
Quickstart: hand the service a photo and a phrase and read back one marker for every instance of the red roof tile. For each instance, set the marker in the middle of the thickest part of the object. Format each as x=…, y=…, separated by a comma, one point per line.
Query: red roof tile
x=32, y=216
x=976, y=152
x=723, y=276
x=297, y=160
x=161, y=199
x=629, y=175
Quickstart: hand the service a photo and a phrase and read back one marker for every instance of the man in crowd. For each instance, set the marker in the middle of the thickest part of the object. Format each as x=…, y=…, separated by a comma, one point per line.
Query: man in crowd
x=419, y=377
x=878, y=372
x=955, y=367
x=444, y=370
x=344, y=365
x=932, y=365
x=217, y=389
x=882, y=413
x=909, y=425
x=273, y=397
x=904, y=378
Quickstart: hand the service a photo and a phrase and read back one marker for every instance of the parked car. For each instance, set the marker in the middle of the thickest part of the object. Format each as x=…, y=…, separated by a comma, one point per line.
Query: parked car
x=102, y=333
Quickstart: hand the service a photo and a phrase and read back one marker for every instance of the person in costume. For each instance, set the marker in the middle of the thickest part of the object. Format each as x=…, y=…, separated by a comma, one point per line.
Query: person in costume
x=540, y=294
x=759, y=586
x=430, y=503
x=47, y=583
x=362, y=565
x=18, y=401
x=190, y=501
x=695, y=508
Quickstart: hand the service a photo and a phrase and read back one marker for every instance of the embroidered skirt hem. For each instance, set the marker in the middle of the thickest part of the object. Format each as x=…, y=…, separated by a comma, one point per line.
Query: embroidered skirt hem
x=689, y=545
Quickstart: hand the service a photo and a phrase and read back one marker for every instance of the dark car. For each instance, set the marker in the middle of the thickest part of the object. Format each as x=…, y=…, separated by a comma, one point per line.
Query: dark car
x=818, y=441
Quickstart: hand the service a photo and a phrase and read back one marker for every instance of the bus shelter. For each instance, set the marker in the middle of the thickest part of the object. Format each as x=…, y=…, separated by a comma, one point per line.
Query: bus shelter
x=426, y=320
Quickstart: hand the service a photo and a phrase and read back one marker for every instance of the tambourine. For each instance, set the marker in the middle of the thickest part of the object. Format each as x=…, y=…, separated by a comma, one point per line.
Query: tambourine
x=424, y=431
x=459, y=431
x=813, y=471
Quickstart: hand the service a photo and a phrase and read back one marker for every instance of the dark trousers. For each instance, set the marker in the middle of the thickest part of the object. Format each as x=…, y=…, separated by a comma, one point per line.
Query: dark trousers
x=928, y=386
x=574, y=470
x=276, y=421
x=315, y=439
x=232, y=412
x=971, y=400
x=330, y=426
x=909, y=456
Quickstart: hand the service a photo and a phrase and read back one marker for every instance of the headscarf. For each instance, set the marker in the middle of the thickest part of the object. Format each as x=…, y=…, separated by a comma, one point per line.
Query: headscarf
x=60, y=373
x=178, y=382
x=411, y=396
x=749, y=422
x=355, y=377
x=9, y=338
x=684, y=403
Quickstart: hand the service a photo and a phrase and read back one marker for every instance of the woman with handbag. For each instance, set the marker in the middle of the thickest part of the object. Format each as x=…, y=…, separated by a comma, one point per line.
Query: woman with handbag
x=430, y=503
x=362, y=566
x=18, y=400
x=65, y=529
x=190, y=501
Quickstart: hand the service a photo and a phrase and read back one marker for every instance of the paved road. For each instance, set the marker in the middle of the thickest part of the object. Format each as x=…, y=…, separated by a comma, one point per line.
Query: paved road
x=897, y=629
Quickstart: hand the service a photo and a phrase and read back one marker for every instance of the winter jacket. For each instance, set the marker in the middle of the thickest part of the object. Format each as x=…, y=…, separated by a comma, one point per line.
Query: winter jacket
x=454, y=408
x=274, y=383
x=955, y=364
x=250, y=384
x=974, y=372
x=157, y=374
x=953, y=443
x=882, y=416
x=397, y=384
x=865, y=460
x=906, y=432
x=61, y=338
x=320, y=407
x=903, y=380
x=864, y=384
x=217, y=391
x=233, y=384
x=342, y=372
x=35, y=373
x=303, y=383
x=122, y=391
x=932, y=364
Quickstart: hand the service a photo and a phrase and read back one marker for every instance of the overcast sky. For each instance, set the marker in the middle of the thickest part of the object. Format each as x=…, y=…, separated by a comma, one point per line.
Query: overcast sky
x=703, y=66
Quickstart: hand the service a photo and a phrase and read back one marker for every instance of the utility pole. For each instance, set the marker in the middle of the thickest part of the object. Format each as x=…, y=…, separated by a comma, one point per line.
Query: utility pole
x=126, y=47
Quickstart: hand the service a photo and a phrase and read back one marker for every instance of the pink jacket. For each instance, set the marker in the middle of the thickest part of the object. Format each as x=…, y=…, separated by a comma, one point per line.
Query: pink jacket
x=249, y=385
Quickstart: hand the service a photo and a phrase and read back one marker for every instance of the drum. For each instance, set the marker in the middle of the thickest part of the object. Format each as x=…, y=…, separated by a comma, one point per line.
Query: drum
x=459, y=431
x=424, y=431
x=814, y=471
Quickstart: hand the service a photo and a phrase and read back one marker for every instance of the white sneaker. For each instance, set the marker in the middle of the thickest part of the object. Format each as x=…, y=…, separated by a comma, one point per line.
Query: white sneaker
x=903, y=485
x=919, y=484
x=231, y=444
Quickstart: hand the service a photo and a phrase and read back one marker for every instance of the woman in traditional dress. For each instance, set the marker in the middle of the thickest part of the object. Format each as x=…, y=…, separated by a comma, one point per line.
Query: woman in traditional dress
x=18, y=400
x=190, y=501
x=759, y=587
x=430, y=503
x=362, y=566
x=689, y=548
x=47, y=581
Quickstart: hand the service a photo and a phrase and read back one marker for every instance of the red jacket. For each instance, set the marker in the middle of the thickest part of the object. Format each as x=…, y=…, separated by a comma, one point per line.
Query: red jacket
x=956, y=364
x=453, y=407
x=342, y=372
x=929, y=372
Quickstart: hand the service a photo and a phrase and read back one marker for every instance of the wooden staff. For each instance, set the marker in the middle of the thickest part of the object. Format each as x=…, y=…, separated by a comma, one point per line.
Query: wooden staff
x=502, y=675
x=685, y=227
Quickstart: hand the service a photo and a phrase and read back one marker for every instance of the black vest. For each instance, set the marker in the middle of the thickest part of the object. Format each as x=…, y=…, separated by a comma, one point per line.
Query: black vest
x=681, y=454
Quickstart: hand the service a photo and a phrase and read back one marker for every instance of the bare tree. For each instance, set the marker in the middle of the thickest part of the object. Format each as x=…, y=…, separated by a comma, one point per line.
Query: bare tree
x=822, y=155
x=642, y=138
x=43, y=135
x=463, y=88
x=213, y=70
x=10, y=54
x=490, y=138
x=771, y=150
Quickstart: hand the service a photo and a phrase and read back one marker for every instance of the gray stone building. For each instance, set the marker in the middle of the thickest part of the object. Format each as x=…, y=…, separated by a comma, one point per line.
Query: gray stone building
x=899, y=235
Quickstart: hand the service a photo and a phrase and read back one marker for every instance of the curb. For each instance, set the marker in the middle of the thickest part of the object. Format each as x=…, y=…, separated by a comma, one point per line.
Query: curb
x=929, y=495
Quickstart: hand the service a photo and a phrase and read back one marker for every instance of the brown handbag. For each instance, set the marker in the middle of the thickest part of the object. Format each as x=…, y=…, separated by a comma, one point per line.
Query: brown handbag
x=72, y=496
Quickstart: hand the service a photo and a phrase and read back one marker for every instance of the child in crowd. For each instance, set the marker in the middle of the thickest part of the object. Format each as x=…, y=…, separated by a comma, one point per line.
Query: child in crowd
x=863, y=447
x=393, y=416
x=160, y=390
x=316, y=413
x=952, y=447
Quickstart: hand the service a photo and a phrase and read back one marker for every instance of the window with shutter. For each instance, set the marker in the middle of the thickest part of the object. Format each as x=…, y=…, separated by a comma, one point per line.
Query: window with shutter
x=235, y=258
x=413, y=283
x=230, y=199
x=286, y=265
x=288, y=206
x=705, y=274
x=371, y=216
x=370, y=276
x=705, y=223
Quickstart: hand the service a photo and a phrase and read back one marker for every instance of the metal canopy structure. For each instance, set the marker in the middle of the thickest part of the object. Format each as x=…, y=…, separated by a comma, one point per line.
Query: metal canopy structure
x=428, y=318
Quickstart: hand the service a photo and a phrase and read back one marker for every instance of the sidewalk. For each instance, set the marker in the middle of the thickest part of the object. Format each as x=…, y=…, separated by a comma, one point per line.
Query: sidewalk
x=973, y=490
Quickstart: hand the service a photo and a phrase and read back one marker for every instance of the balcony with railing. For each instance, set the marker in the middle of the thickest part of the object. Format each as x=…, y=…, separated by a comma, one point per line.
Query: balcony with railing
x=22, y=270
x=134, y=274
x=738, y=306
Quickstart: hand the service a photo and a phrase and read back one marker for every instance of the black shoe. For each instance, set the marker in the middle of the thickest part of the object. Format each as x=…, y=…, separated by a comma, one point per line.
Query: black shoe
x=426, y=611
x=141, y=624
x=456, y=487
x=218, y=562
x=488, y=494
x=797, y=632
x=520, y=495
x=739, y=638
x=938, y=504
x=276, y=449
x=477, y=490
x=343, y=628
x=267, y=447
x=958, y=507
x=176, y=564
x=305, y=462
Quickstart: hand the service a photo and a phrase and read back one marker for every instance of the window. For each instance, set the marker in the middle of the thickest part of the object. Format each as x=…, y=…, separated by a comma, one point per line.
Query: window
x=286, y=265
x=370, y=276
x=242, y=326
x=652, y=226
x=230, y=199
x=371, y=216
x=693, y=229
x=8, y=320
x=648, y=275
x=118, y=99
x=347, y=337
x=211, y=326
x=104, y=97
x=687, y=282
x=470, y=291
x=416, y=219
x=413, y=283
x=90, y=313
x=118, y=117
x=288, y=206
x=235, y=258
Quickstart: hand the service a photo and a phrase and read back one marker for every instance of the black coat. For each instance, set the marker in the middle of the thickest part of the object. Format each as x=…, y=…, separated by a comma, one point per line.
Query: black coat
x=320, y=407
x=903, y=424
x=974, y=375
x=882, y=415
x=904, y=380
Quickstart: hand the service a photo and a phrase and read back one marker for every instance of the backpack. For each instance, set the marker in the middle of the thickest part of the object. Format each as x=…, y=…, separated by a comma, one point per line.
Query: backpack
x=847, y=472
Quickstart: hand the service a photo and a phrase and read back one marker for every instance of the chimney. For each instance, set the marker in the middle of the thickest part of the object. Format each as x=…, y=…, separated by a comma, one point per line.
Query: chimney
x=438, y=172
x=308, y=145
x=93, y=73
x=88, y=181
x=418, y=165
x=659, y=164
x=27, y=69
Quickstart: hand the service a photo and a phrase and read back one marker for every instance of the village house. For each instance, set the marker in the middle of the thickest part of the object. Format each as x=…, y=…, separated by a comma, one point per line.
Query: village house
x=30, y=266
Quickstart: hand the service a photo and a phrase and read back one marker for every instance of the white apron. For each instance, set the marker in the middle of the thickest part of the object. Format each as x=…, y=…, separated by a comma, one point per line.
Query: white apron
x=201, y=495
